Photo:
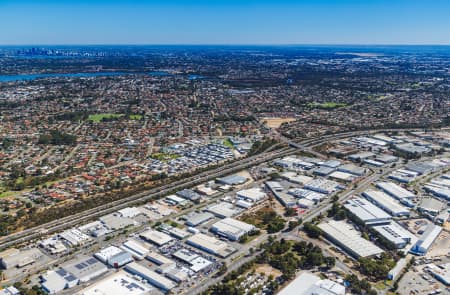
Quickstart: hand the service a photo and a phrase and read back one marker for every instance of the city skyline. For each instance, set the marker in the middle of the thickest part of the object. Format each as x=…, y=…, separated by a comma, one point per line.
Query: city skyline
x=322, y=22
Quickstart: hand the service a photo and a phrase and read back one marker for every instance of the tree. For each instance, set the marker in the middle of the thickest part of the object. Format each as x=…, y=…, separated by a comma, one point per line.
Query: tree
x=330, y=261
x=312, y=230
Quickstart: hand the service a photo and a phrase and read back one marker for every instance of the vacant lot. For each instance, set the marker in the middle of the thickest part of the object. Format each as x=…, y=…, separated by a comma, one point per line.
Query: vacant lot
x=276, y=122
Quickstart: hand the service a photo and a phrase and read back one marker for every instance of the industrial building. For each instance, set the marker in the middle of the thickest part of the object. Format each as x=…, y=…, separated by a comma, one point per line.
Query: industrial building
x=232, y=180
x=211, y=245
x=119, y=283
x=152, y=277
x=310, y=284
x=438, y=191
x=441, y=272
x=114, y=256
x=252, y=195
x=345, y=236
x=395, y=190
x=196, y=262
x=395, y=234
x=422, y=246
x=19, y=258
x=70, y=275
x=136, y=249
x=295, y=178
x=175, y=232
x=190, y=195
x=74, y=237
x=386, y=202
x=352, y=169
x=115, y=222
x=195, y=219
x=232, y=229
x=278, y=191
x=158, y=258
x=156, y=237
x=324, y=186
x=397, y=270
x=367, y=212
x=223, y=210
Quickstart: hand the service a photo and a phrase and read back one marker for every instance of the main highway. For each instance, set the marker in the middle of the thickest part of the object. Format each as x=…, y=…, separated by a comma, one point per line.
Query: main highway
x=155, y=193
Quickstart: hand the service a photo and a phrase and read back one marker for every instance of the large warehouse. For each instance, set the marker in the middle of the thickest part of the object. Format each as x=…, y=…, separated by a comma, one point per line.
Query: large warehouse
x=156, y=237
x=149, y=275
x=386, y=202
x=395, y=234
x=119, y=283
x=308, y=284
x=349, y=239
x=395, y=190
x=210, y=245
x=367, y=212
x=231, y=228
x=426, y=240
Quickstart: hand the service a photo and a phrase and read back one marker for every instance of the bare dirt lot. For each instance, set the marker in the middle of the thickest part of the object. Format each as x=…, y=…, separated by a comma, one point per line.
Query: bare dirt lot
x=276, y=122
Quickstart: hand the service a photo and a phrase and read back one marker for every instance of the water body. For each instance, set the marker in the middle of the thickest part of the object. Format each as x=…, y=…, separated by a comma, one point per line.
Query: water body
x=29, y=77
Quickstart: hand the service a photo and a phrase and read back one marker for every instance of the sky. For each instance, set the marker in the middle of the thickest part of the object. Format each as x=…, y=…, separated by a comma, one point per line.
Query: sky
x=35, y=22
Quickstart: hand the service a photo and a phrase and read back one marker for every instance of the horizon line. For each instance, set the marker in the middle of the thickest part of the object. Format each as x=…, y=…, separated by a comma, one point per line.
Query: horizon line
x=229, y=44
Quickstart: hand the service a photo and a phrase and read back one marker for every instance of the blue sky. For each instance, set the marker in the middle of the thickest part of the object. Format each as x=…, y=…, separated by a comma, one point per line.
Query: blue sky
x=224, y=22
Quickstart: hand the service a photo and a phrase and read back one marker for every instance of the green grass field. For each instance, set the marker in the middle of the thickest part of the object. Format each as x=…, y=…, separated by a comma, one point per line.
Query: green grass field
x=227, y=142
x=135, y=117
x=99, y=117
x=164, y=157
x=327, y=105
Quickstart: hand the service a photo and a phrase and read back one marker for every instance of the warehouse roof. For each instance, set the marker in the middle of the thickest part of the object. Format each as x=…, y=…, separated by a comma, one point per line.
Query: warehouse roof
x=366, y=211
x=348, y=237
x=156, y=237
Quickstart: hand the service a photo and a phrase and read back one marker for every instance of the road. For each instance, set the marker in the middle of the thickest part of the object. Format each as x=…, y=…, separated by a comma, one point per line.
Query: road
x=77, y=219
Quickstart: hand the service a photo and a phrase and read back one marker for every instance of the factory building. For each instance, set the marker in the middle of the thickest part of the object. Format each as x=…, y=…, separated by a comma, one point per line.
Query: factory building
x=349, y=239
x=119, y=283
x=395, y=190
x=422, y=246
x=232, y=180
x=395, y=234
x=232, y=229
x=195, y=219
x=352, y=169
x=152, y=277
x=397, y=270
x=156, y=237
x=19, y=258
x=367, y=212
x=386, y=202
x=211, y=245
x=223, y=210
x=252, y=195
x=114, y=256
x=70, y=275
x=310, y=284
x=323, y=186
x=136, y=249
x=195, y=261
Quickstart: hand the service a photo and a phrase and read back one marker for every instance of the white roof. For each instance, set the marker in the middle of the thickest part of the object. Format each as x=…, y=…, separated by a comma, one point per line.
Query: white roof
x=386, y=202
x=366, y=211
x=395, y=190
x=231, y=226
x=156, y=237
x=119, y=283
x=148, y=274
x=135, y=248
x=253, y=194
x=105, y=254
x=350, y=238
x=310, y=284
